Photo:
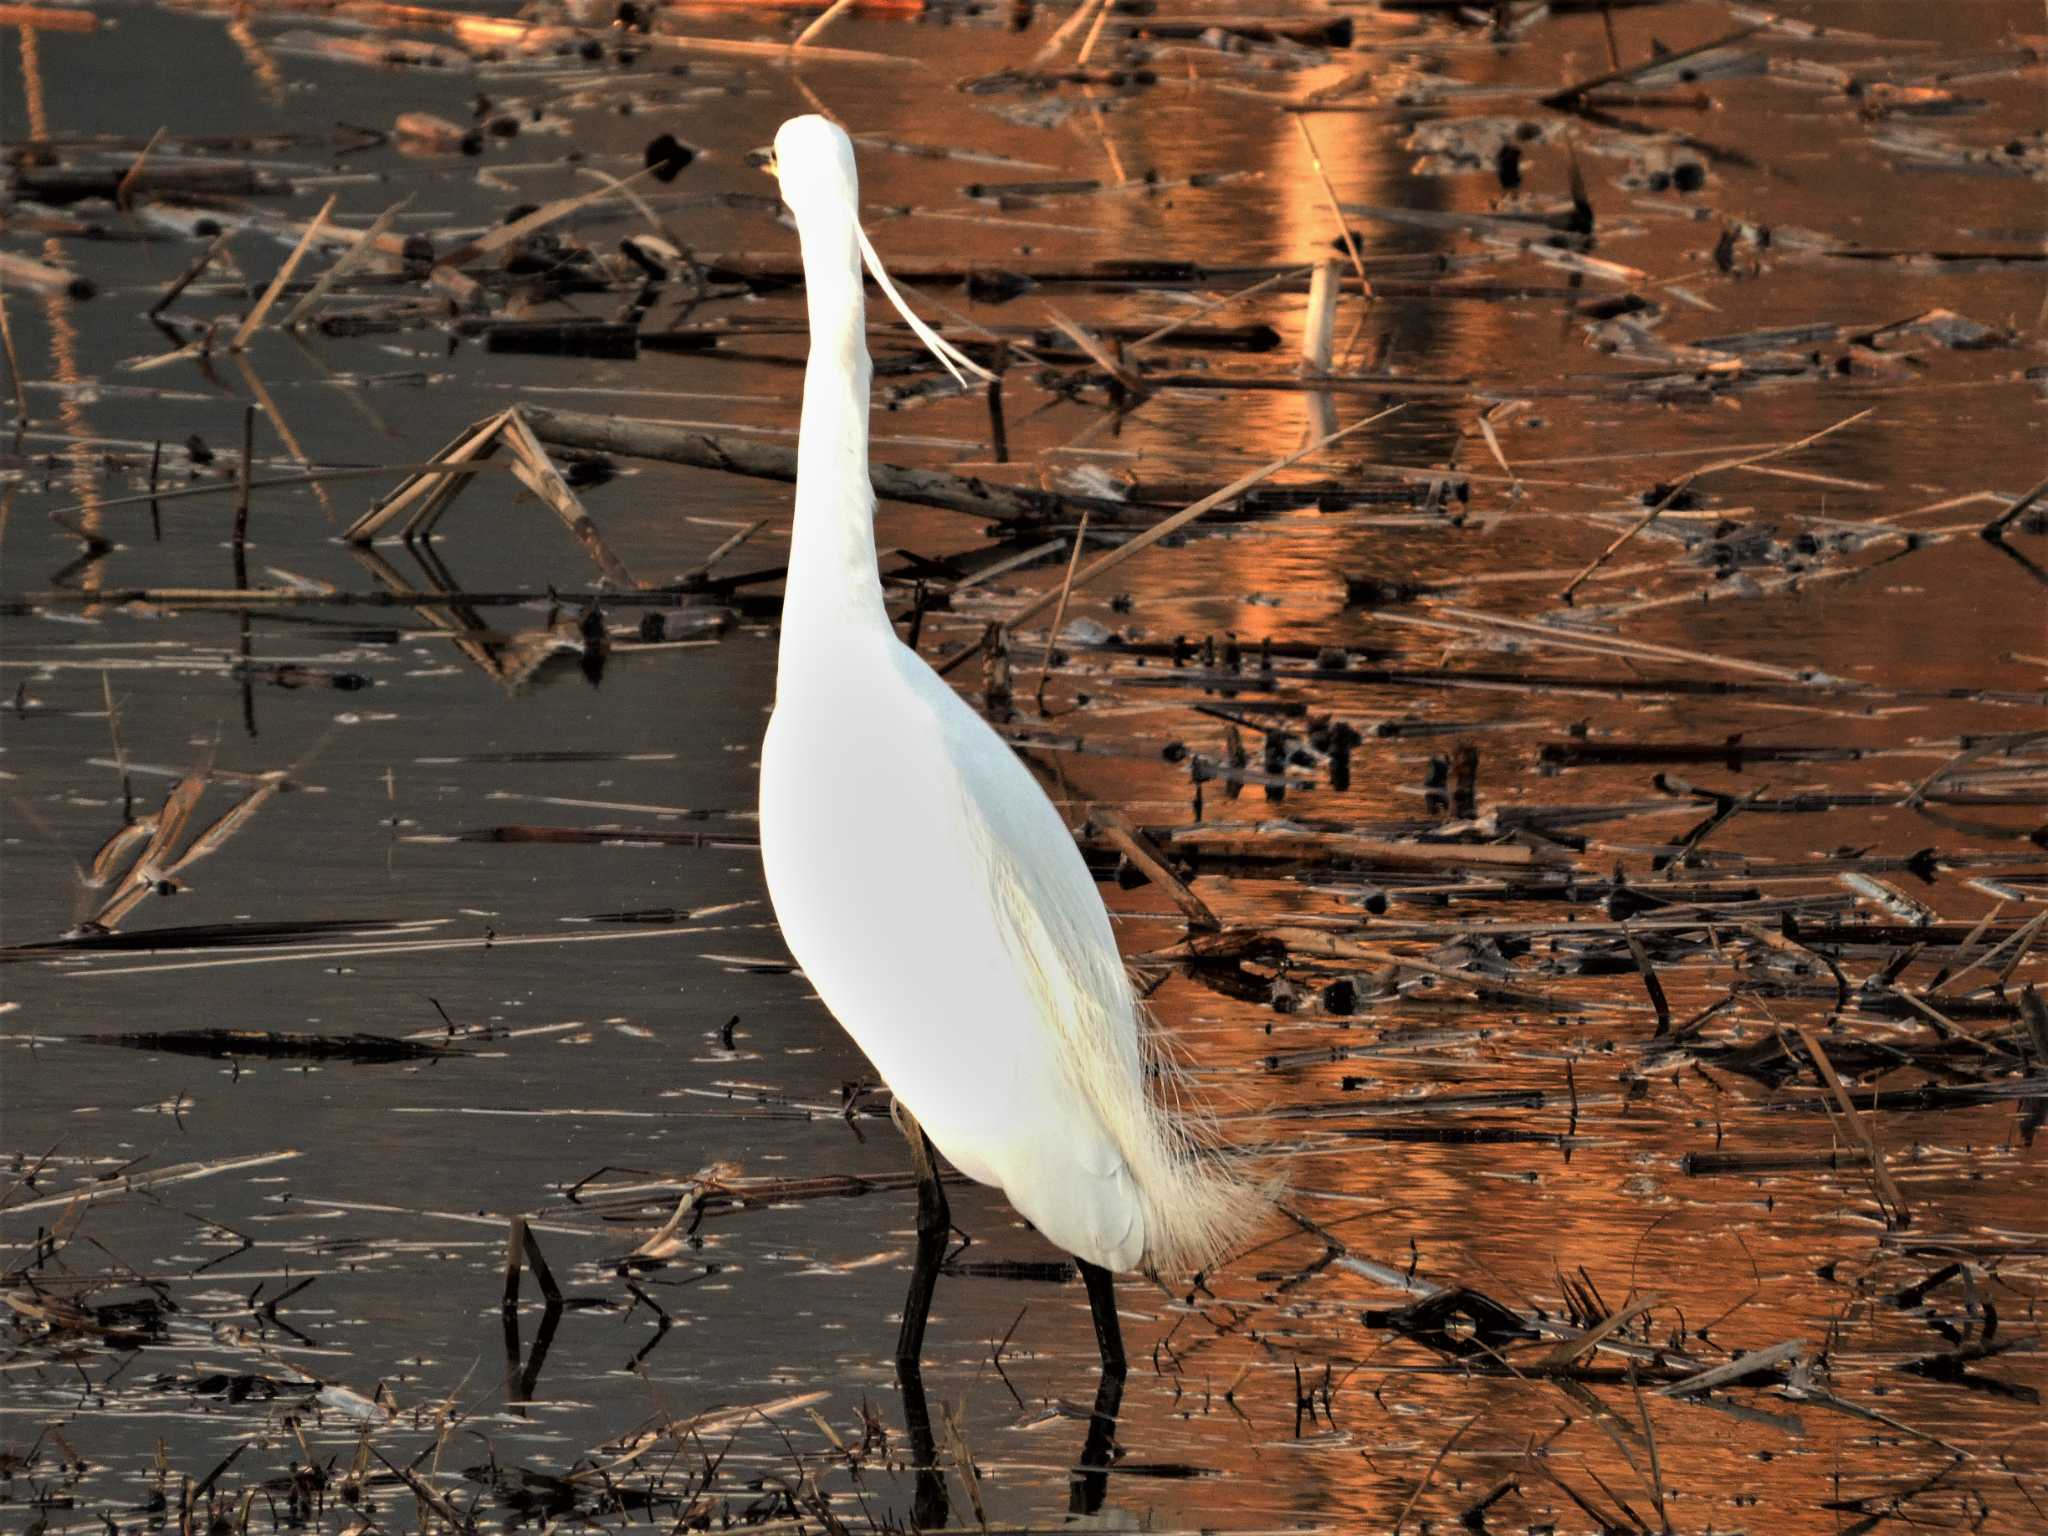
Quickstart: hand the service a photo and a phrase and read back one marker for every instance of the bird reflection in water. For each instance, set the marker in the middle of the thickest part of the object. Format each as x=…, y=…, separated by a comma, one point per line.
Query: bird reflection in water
x=1087, y=1489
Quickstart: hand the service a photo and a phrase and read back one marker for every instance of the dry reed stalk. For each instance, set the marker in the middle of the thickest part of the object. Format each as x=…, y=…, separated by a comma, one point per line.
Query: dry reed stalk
x=284, y=276
x=1756, y=1360
x=1571, y=1349
x=1098, y=354
x=1684, y=481
x=1897, y=1213
x=126, y=187
x=1066, y=29
x=1995, y=529
x=1571, y=95
x=189, y=276
x=1225, y=302
x=778, y=54
x=831, y=14
x=1445, y=1450
x=283, y=482
x=1059, y=613
x=177, y=1173
x=13, y=364
x=1336, y=209
x=507, y=234
x=349, y=260
x=242, y=472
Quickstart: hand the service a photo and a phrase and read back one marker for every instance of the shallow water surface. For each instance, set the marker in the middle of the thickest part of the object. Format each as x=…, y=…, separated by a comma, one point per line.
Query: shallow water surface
x=1542, y=922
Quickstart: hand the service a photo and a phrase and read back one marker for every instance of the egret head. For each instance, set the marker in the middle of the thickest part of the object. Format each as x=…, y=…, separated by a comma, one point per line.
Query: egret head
x=813, y=161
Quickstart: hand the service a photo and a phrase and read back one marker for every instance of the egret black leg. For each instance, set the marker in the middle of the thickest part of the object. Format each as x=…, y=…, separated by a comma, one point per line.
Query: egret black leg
x=1090, y=1486
x=934, y=1223
x=1109, y=1336
x=930, y=1508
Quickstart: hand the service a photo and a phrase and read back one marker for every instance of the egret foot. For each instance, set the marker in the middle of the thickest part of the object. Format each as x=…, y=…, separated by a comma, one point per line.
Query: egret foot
x=934, y=1223
x=1109, y=1336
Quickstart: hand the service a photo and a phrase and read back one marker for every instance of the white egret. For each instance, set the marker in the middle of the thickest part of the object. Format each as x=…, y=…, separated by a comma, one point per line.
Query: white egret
x=930, y=890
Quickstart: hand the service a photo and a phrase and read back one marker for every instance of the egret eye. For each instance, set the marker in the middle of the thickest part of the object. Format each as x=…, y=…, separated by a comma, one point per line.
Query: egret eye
x=762, y=160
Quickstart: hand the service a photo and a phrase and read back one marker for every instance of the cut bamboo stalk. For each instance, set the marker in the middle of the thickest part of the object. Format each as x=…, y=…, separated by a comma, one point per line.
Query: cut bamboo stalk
x=1319, y=334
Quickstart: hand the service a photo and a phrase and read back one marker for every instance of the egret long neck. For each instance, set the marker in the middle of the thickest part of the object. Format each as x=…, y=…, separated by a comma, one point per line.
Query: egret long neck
x=833, y=577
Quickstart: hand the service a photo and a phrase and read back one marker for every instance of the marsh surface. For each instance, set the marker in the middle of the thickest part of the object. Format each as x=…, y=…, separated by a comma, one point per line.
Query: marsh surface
x=1526, y=903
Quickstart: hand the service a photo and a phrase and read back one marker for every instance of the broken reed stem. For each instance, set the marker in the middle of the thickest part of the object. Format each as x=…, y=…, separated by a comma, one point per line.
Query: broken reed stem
x=1448, y=1446
x=348, y=261
x=1067, y=28
x=1572, y=94
x=1995, y=529
x=1165, y=526
x=1684, y=482
x=1613, y=1323
x=832, y=13
x=508, y=234
x=13, y=364
x=284, y=275
x=189, y=276
x=283, y=482
x=1097, y=353
x=125, y=189
x=242, y=496
x=1081, y=59
x=1336, y=210
x=2022, y=937
x=515, y=1248
x=1650, y=1434
x=1059, y=613
x=1897, y=1213
x=1225, y=302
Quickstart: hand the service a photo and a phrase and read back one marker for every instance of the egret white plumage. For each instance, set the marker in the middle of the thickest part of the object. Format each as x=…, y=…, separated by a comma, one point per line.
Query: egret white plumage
x=931, y=892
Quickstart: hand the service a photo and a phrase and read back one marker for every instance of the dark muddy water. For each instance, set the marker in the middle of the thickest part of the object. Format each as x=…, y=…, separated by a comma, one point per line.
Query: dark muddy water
x=456, y=828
